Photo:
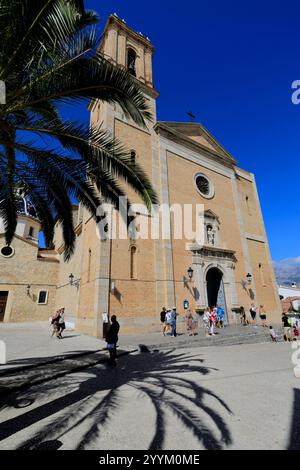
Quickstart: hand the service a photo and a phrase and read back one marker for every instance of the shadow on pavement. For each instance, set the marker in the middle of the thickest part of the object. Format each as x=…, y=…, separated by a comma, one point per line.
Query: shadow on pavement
x=19, y=365
x=164, y=377
x=294, y=441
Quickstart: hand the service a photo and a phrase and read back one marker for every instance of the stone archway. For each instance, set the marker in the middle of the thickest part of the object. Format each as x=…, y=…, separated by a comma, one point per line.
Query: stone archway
x=215, y=290
x=213, y=283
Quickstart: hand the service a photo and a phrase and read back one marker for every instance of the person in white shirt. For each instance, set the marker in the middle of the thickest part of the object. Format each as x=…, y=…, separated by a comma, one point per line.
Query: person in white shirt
x=167, y=321
x=205, y=320
x=273, y=334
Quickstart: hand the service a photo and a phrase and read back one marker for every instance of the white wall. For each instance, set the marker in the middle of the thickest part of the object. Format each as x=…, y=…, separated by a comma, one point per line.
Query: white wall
x=289, y=291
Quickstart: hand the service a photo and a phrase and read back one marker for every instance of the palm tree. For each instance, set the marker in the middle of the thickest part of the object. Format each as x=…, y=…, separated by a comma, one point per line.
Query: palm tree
x=48, y=57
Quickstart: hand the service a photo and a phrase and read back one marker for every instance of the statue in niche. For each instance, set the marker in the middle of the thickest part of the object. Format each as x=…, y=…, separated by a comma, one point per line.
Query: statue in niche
x=210, y=235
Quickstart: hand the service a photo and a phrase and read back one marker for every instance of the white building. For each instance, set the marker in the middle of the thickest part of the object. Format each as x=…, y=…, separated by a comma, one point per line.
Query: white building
x=289, y=291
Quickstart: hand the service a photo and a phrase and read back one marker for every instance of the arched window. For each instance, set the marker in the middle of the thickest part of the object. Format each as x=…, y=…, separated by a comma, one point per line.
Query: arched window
x=31, y=232
x=131, y=59
x=133, y=262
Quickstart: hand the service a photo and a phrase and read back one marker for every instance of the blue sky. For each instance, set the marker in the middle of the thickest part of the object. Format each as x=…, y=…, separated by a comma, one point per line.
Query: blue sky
x=232, y=63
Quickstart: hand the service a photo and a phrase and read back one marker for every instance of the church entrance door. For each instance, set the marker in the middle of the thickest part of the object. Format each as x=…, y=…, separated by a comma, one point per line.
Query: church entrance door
x=215, y=290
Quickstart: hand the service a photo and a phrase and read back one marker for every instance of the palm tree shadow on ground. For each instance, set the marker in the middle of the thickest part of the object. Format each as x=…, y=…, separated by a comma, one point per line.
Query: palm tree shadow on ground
x=171, y=380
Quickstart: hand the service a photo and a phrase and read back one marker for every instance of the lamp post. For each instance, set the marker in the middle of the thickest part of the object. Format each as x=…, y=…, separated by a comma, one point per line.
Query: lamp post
x=74, y=282
x=190, y=272
x=71, y=279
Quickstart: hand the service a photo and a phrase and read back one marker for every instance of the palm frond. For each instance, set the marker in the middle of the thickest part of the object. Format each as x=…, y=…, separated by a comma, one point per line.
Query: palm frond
x=101, y=151
x=48, y=57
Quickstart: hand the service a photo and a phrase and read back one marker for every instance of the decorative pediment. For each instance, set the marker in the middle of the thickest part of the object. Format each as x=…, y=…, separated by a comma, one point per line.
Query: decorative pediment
x=196, y=133
x=210, y=214
x=213, y=252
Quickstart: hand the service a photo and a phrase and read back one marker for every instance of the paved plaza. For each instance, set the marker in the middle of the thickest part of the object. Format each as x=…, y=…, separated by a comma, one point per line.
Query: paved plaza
x=242, y=396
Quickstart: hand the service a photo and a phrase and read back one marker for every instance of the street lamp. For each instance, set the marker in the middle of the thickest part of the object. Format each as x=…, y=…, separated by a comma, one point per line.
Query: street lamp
x=74, y=282
x=190, y=272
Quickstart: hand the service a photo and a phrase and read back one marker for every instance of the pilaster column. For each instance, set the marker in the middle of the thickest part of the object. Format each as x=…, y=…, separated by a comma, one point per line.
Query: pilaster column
x=198, y=266
x=112, y=44
x=122, y=49
x=148, y=67
x=140, y=64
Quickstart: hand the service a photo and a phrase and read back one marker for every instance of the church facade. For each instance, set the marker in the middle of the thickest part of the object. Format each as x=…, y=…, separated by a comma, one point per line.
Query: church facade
x=135, y=277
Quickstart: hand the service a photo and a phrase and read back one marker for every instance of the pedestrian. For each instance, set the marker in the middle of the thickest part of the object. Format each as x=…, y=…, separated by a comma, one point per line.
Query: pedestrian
x=286, y=327
x=112, y=340
x=263, y=316
x=190, y=323
x=242, y=316
x=212, y=321
x=273, y=334
x=220, y=316
x=248, y=318
x=253, y=314
x=163, y=318
x=173, y=322
x=167, y=322
x=205, y=320
x=61, y=322
x=295, y=332
x=55, y=324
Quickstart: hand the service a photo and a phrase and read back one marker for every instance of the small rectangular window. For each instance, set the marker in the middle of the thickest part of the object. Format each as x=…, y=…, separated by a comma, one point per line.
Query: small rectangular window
x=43, y=297
x=31, y=232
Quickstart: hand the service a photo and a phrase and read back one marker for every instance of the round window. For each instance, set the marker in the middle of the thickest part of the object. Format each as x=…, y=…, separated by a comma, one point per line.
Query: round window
x=204, y=185
x=7, y=251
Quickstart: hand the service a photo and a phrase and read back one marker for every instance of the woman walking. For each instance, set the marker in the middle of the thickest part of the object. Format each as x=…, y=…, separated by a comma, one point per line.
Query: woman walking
x=263, y=316
x=205, y=320
x=55, y=324
x=61, y=322
x=253, y=314
x=189, y=323
x=212, y=321
x=167, y=324
x=163, y=319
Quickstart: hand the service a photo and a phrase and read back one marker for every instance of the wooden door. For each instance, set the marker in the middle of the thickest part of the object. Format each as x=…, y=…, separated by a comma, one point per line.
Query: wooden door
x=3, y=300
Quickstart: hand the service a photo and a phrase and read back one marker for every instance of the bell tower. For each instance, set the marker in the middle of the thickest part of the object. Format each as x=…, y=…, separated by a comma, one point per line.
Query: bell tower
x=129, y=49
